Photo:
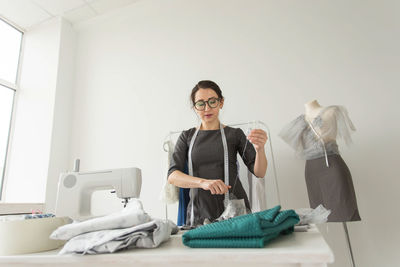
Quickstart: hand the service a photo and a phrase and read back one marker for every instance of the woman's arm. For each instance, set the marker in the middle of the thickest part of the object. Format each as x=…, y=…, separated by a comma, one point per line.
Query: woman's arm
x=261, y=163
x=183, y=180
x=258, y=138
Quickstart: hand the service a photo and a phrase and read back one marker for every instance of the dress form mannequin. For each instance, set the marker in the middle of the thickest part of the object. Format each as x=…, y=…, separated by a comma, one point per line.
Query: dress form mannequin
x=329, y=182
x=313, y=108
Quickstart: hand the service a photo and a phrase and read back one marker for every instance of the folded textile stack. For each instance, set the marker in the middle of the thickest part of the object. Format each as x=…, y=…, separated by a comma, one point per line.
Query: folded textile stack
x=129, y=228
x=247, y=231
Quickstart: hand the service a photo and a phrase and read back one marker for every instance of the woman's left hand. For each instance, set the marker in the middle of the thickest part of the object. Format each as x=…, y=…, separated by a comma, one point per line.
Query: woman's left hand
x=258, y=138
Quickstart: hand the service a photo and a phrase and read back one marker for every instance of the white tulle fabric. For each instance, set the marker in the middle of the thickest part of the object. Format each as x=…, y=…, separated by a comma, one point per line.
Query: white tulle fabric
x=169, y=193
x=332, y=123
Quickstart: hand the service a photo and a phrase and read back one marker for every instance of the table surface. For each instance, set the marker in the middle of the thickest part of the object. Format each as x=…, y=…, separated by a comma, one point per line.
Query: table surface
x=296, y=249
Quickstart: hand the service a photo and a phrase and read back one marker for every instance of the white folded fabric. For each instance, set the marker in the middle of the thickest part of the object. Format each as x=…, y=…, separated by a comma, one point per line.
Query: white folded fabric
x=147, y=235
x=132, y=215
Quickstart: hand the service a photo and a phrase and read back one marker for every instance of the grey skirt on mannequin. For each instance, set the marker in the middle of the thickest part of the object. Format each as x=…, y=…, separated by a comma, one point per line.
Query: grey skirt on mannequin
x=332, y=187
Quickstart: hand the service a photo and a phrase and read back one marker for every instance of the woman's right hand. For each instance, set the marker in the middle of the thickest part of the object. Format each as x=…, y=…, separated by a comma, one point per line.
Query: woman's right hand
x=215, y=186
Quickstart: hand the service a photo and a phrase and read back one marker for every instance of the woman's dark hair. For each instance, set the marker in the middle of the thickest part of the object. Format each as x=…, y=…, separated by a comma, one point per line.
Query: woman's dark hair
x=206, y=84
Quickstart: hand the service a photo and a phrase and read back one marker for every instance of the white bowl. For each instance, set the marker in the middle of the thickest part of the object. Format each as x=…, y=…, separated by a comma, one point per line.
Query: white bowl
x=30, y=235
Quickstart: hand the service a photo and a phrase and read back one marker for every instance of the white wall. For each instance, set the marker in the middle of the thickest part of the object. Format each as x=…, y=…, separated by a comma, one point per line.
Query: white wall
x=135, y=68
x=62, y=118
x=32, y=123
x=41, y=126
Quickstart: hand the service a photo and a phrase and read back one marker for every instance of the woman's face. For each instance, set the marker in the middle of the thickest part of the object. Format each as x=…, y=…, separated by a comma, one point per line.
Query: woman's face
x=208, y=114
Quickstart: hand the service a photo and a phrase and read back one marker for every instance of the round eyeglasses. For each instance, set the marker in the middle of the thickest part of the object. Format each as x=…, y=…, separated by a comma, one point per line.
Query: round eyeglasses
x=201, y=104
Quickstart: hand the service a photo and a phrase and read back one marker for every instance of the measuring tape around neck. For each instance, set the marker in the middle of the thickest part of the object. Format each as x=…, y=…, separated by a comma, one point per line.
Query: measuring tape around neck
x=226, y=167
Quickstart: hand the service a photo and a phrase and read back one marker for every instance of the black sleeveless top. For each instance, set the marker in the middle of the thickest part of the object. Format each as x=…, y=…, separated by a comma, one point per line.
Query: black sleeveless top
x=208, y=163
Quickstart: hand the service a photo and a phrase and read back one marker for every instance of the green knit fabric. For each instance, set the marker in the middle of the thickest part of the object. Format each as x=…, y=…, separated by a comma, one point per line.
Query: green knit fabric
x=247, y=231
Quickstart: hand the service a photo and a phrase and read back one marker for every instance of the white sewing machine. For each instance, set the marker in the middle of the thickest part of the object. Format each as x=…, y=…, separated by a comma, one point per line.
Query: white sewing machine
x=75, y=189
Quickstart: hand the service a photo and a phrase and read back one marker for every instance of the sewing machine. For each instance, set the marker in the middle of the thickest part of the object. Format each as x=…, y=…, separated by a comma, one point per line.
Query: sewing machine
x=75, y=189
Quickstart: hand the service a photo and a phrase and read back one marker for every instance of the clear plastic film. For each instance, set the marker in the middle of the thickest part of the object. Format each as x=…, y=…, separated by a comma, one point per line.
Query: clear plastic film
x=255, y=188
x=233, y=207
x=313, y=216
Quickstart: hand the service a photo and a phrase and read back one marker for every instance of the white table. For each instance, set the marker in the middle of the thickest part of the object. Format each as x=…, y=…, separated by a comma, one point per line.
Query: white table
x=302, y=249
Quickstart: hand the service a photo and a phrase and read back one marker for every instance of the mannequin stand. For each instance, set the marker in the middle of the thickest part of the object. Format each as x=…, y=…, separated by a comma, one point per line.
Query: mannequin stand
x=349, y=244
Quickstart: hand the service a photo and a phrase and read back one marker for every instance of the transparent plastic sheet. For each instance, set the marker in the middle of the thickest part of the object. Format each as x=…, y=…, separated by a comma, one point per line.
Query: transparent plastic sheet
x=258, y=187
x=313, y=216
x=235, y=207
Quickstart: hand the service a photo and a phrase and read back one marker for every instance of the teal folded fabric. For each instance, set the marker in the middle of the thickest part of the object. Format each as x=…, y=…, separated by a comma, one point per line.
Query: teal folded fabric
x=247, y=231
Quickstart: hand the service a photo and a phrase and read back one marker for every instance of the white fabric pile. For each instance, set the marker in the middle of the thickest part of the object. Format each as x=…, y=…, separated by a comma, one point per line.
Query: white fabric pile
x=129, y=228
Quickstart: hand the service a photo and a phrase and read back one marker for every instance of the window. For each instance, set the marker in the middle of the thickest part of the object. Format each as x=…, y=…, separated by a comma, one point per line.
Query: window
x=10, y=50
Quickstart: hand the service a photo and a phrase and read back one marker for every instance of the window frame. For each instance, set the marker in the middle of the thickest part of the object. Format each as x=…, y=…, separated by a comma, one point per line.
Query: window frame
x=15, y=88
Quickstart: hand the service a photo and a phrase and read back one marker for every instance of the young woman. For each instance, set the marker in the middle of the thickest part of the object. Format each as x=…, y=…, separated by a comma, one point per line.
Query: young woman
x=207, y=181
